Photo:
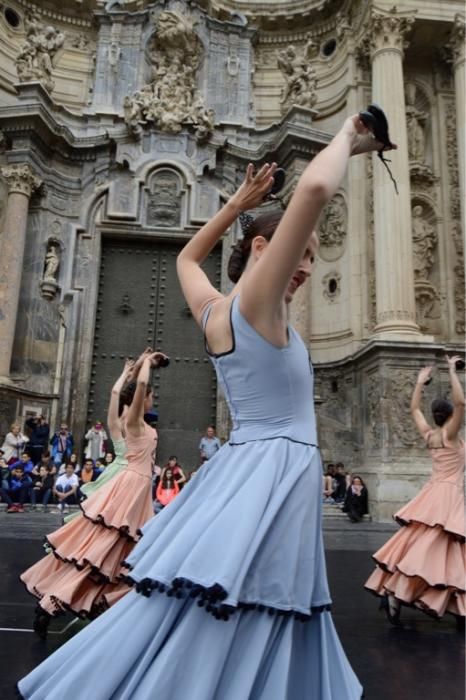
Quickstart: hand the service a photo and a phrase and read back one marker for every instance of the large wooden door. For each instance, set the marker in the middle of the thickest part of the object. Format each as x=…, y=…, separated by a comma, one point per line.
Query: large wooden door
x=140, y=303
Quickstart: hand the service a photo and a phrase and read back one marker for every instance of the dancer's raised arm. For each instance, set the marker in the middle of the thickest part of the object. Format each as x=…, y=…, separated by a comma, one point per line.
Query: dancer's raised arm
x=197, y=288
x=135, y=416
x=113, y=419
x=264, y=288
x=421, y=424
x=454, y=424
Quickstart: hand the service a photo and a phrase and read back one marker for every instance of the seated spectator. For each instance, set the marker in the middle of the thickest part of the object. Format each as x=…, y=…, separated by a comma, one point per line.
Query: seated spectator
x=66, y=488
x=329, y=483
x=73, y=459
x=100, y=465
x=39, y=439
x=109, y=458
x=42, y=487
x=209, y=444
x=62, y=445
x=167, y=490
x=25, y=462
x=88, y=472
x=14, y=443
x=356, y=503
x=178, y=473
x=17, y=491
x=4, y=472
x=156, y=474
x=45, y=461
x=339, y=477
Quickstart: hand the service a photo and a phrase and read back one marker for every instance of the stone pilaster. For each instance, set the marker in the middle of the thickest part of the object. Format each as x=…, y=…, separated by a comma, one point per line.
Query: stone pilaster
x=396, y=311
x=21, y=182
x=457, y=43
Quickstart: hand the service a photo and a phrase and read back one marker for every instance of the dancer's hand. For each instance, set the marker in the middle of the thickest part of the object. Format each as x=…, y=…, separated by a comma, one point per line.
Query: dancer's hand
x=129, y=366
x=424, y=374
x=157, y=358
x=252, y=191
x=362, y=139
x=452, y=361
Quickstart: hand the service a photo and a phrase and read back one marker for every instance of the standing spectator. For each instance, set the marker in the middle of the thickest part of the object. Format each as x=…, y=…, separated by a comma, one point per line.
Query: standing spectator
x=39, y=439
x=88, y=472
x=62, y=444
x=167, y=490
x=339, y=477
x=14, y=444
x=178, y=473
x=209, y=445
x=18, y=486
x=42, y=487
x=25, y=462
x=96, y=442
x=66, y=488
x=356, y=500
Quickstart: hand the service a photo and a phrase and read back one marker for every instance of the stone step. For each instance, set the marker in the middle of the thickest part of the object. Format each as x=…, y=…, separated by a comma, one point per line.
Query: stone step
x=332, y=510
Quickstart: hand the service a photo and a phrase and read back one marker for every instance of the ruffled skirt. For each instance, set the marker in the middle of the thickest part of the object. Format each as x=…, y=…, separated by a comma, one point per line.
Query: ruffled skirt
x=83, y=572
x=231, y=598
x=424, y=563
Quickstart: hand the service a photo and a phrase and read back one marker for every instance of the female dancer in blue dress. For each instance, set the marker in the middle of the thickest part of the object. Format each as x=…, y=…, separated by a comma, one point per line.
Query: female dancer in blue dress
x=231, y=599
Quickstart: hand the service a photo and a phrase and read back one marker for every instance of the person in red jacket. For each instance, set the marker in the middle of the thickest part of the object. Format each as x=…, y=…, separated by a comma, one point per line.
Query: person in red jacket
x=167, y=490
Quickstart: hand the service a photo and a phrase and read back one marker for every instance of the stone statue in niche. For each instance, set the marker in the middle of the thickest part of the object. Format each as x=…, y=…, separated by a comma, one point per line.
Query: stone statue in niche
x=163, y=203
x=332, y=230
x=35, y=60
x=415, y=122
x=171, y=100
x=300, y=77
x=427, y=306
x=424, y=242
x=49, y=283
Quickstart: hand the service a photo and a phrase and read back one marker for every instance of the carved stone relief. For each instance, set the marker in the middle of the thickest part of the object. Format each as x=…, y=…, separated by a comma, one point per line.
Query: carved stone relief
x=332, y=285
x=164, y=200
x=300, y=77
x=332, y=230
x=171, y=99
x=35, y=60
x=452, y=161
x=401, y=385
x=374, y=405
x=424, y=243
x=416, y=120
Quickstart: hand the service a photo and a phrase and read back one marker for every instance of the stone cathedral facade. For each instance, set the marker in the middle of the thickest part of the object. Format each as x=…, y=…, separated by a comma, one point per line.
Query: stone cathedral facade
x=124, y=125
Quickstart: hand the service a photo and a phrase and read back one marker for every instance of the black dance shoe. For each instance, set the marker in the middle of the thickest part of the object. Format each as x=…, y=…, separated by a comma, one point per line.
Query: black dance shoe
x=375, y=120
x=41, y=622
x=279, y=177
x=392, y=611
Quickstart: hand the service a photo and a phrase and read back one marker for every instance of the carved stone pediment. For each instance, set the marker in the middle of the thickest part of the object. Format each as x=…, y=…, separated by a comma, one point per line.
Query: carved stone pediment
x=171, y=99
x=332, y=231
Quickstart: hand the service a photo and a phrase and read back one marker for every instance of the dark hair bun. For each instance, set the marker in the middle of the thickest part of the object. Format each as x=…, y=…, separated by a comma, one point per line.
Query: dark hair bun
x=441, y=411
x=236, y=263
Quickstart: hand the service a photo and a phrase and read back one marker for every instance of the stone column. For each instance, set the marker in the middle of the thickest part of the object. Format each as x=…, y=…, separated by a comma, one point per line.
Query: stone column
x=459, y=65
x=396, y=310
x=21, y=181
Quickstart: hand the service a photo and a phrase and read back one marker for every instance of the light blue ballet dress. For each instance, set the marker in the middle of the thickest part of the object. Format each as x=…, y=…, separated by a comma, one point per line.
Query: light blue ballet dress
x=231, y=599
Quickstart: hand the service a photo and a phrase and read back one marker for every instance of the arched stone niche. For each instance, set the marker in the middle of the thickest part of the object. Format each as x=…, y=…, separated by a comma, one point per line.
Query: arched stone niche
x=165, y=199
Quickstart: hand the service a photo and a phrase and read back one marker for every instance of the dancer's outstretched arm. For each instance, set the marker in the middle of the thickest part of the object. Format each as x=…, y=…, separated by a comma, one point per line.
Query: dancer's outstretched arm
x=455, y=422
x=197, y=288
x=135, y=416
x=113, y=419
x=264, y=288
x=421, y=424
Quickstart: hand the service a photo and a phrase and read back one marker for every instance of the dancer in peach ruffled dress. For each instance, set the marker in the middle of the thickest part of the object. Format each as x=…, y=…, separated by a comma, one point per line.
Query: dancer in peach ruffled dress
x=423, y=565
x=83, y=573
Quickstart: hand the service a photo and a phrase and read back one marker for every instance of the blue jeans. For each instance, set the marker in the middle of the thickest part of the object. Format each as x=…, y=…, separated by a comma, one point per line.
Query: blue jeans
x=41, y=493
x=69, y=499
x=17, y=496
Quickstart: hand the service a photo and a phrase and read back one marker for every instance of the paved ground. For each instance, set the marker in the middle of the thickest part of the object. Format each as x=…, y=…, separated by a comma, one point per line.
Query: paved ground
x=424, y=660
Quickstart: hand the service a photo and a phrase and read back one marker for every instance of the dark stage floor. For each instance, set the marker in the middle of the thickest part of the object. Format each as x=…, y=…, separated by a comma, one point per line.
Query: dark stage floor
x=424, y=660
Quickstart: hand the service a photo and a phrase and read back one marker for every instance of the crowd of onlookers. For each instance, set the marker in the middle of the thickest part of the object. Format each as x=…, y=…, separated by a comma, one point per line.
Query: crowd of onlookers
x=39, y=468
x=345, y=490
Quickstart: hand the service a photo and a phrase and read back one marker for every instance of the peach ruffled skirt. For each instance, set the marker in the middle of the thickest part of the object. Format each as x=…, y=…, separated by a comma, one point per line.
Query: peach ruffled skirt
x=424, y=564
x=83, y=573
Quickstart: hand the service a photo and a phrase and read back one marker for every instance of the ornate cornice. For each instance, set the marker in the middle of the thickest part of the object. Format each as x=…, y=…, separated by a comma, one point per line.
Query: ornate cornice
x=20, y=178
x=386, y=31
x=458, y=38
